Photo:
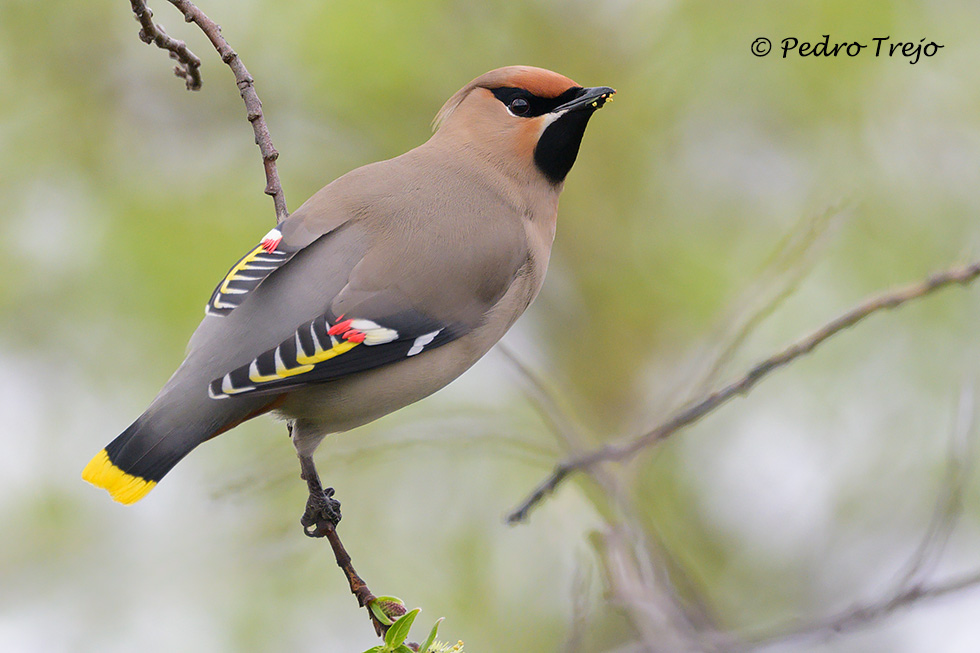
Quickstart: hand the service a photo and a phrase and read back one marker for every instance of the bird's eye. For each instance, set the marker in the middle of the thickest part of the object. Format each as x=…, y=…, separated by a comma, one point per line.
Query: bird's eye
x=519, y=106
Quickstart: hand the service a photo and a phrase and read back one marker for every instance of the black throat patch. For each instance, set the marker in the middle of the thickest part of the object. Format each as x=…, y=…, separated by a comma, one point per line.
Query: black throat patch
x=558, y=146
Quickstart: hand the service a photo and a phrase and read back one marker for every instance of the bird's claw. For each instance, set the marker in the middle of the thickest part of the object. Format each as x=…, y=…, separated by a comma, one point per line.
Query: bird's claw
x=322, y=512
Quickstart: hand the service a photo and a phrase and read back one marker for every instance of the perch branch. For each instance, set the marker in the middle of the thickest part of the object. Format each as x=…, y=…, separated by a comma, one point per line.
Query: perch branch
x=189, y=70
x=625, y=450
x=151, y=33
x=357, y=585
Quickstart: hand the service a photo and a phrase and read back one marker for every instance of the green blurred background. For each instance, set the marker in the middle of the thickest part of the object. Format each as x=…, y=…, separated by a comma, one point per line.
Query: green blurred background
x=713, y=182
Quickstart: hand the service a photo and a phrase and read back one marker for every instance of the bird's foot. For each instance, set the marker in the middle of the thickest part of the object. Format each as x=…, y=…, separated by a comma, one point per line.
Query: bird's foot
x=322, y=512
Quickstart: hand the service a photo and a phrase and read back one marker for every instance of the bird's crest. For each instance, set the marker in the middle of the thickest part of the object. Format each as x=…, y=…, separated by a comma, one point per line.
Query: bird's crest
x=538, y=81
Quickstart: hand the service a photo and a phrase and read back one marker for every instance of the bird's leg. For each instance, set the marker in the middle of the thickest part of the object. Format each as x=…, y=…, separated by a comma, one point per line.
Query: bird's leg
x=320, y=520
x=322, y=510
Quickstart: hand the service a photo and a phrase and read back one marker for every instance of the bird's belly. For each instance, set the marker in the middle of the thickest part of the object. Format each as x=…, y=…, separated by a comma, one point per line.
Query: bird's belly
x=349, y=402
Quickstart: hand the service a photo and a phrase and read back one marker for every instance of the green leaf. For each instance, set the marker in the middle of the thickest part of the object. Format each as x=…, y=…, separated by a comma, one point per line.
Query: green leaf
x=432, y=636
x=376, y=649
x=389, y=599
x=399, y=630
x=403, y=649
x=378, y=613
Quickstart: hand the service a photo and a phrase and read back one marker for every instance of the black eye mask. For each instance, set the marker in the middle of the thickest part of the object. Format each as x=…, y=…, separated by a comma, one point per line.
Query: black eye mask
x=536, y=106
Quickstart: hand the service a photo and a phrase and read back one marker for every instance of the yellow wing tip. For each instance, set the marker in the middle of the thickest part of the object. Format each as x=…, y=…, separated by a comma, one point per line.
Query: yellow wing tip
x=124, y=488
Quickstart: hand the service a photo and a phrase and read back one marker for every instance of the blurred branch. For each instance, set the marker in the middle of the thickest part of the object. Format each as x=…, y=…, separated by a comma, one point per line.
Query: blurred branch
x=581, y=608
x=665, y=606
x=911, y=587
x=546, y=402
x=642, y=574
x=781, y=276
x=949, y=505
x=189, y=69
x=655, y=611
x=398, y=443
x=867, y=614
x=623, y=451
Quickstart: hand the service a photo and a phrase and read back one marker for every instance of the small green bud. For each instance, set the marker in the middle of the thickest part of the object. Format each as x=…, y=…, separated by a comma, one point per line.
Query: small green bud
x=387, y=609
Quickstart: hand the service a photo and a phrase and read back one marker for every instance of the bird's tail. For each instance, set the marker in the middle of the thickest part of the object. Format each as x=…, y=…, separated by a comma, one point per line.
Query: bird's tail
x=173, y=425
x=133, y=463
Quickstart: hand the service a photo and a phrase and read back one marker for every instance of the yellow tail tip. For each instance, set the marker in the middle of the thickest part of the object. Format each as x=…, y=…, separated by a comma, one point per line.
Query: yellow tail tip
x=124, y=488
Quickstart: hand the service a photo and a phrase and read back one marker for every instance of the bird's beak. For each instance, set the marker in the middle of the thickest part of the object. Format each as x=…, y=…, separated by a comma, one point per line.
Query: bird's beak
x=591, y=98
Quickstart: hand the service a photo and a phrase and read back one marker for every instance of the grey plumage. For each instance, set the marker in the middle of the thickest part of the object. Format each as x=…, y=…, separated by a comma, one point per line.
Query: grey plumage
x=444, y=247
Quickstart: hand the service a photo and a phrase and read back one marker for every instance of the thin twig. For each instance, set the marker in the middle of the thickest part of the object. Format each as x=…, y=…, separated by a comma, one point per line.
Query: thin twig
x=626, y=450
x=357, y=585
x=189, y=70
x=189, y=65
x=582, y=608
x=657, y=617
x=546, y=402
x=151, y=33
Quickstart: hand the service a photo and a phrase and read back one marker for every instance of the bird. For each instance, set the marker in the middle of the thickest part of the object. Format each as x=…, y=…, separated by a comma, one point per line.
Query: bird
x=382, y=288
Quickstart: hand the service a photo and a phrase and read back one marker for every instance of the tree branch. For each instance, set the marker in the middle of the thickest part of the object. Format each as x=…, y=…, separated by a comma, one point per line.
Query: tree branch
x=189, y=70
x=625, y=450
x=357, y=585
x=189, y=65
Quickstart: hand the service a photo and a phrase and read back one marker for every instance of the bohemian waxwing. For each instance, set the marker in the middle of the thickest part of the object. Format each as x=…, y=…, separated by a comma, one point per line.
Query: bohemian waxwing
x=383, y=287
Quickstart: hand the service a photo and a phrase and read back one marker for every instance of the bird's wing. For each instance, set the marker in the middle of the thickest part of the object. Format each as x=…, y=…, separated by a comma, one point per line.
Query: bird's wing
x=250, y=271
x=309, y=223
x=395, y=305
x=398, y=277
x=330, y=347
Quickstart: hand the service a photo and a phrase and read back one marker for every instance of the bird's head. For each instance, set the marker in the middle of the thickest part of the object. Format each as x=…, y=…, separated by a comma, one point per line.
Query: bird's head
x=529, y=118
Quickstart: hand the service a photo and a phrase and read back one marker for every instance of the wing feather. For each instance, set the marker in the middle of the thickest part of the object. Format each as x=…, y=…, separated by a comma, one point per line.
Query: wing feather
x=328, y=348
x=250, y=271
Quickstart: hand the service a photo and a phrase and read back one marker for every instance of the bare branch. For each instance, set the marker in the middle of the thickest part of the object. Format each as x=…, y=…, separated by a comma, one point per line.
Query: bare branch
x=151, y=33
x=655, y=613
x=189, y=65
x=623, y=451
x=582, y=583
x=357, y=585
